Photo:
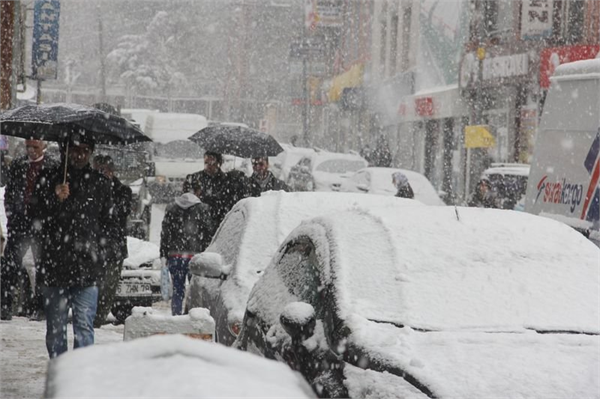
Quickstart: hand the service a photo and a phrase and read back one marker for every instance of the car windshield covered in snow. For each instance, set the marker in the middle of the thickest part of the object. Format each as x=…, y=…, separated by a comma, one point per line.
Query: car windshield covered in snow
x=339, y=166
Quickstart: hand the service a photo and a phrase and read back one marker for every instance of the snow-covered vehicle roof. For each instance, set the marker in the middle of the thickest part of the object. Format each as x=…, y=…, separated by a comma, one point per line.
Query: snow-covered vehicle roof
x=252, y=231
x=472, y=303
x=166, y=127
x=380, y=182
x=516, y=169
x=170, y=366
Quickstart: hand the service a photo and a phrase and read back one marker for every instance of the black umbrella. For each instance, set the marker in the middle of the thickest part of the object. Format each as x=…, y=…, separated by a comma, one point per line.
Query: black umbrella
x=236, y=140
x=57, y=122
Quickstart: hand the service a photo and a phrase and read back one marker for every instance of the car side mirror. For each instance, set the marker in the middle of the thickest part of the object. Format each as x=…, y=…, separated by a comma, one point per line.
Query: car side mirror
x=298, y=320
x=362, y=187
x=207, y=264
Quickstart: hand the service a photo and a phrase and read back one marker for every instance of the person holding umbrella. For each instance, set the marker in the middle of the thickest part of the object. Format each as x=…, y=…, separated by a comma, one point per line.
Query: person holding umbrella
x=74, y=208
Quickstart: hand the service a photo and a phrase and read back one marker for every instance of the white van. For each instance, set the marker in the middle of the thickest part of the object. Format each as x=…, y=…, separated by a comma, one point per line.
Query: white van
x=565, y=170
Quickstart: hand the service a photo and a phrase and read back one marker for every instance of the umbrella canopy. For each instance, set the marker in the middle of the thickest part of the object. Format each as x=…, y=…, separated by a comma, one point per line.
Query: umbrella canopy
x=240, y=141
x=56, y=122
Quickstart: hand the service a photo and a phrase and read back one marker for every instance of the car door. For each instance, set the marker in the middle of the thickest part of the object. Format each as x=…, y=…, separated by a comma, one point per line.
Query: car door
x=299, y=273
x=206, y=291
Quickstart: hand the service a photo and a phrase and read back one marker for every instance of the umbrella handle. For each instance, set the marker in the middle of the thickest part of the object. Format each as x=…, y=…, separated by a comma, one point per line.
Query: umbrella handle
x=66, y=163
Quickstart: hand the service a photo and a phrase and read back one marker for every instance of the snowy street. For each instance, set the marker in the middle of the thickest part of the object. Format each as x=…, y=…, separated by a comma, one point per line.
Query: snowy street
x=24, y=359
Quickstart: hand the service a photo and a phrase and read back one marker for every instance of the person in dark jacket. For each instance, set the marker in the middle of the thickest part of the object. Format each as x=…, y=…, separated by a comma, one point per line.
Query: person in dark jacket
x=212, y=186
x=401, y=183
x=22, y=178
x=484, y=195
x=74, y=211
x=186, y=231
x=117, y=250
x=262, y=179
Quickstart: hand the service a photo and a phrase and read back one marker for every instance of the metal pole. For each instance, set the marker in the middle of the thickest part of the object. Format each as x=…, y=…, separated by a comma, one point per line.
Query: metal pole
x=101, y=51
x=7, y=21
x=38, y=94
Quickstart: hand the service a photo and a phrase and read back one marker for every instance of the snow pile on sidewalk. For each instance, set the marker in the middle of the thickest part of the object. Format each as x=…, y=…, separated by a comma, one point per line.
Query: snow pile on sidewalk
x=145, y=321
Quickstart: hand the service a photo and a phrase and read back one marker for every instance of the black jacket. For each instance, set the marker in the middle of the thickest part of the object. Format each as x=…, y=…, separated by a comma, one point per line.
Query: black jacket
x=122, y=208
x=186, y=230
x=269, y=183
x=220, y=191
x=77, y=231
x=14, y=194
x=405, y=192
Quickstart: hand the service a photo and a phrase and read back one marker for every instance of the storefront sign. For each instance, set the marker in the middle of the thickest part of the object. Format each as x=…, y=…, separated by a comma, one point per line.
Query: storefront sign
x=424, y=106
x=478, y=136
x=44, y=59
x=536, y=19
x=494, y=68
x=550, y=58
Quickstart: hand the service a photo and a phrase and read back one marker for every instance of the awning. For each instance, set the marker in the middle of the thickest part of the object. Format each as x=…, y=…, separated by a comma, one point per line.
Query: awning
x=351, y=78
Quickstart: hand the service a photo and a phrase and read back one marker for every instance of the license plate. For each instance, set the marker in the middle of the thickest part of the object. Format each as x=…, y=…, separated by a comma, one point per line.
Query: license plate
x=134, y=288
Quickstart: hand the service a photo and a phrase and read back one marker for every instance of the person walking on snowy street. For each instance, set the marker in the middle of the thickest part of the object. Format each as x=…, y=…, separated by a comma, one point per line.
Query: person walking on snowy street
x=74, y=210
x=263, y=179
x=22, y=178
x=117, y=250
x=186, y=230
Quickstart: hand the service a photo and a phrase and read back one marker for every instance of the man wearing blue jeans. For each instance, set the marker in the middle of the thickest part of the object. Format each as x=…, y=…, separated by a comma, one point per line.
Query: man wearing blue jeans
x=74, y=213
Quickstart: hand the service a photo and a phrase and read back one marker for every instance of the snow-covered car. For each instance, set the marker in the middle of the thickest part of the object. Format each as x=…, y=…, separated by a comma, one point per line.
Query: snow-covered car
x=432, y=302
x=323, y=171
x=375, y=180
x=509, y=183
x=281, y=164
x=140, y=279
x=250, y=234
x=170, y=366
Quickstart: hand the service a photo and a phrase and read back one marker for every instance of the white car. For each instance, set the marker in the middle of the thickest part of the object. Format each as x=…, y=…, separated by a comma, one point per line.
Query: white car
x=170, y=366
x=281, y=164
x=324, y=171
x=432, y=302
x=374, y=180
x=250, y=234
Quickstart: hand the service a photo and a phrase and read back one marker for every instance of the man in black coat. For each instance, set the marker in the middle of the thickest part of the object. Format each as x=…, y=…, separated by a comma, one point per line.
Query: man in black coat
x=117, y=250
x=262, y=179
x=77, y=227
x=22, y=178
x=186, y=230
x=212, y=186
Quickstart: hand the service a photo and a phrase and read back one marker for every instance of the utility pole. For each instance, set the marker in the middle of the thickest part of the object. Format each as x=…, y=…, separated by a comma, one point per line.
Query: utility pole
x=7, y=22
x=101, y=51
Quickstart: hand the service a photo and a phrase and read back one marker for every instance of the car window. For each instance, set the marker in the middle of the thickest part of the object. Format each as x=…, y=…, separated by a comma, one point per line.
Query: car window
x=340, y=166
x=299, y=270
x=227, y=241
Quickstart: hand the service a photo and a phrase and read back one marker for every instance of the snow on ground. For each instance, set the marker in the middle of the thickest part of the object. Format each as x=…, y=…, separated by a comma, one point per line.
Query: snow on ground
x=24, y=359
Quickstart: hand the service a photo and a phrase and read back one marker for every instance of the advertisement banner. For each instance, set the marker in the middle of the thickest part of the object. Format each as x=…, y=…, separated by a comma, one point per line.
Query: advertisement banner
x=44, y=59
x=536, y=19
x=550, y=58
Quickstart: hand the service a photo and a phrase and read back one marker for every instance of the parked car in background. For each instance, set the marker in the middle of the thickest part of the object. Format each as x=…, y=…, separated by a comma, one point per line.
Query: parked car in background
x=432, y=302
x=323, y=171
x=564, y=183
x=139, y=284
x=281, y=164
x=170, y=366
x=250, y=234
x=375, y=180
x=509, y=183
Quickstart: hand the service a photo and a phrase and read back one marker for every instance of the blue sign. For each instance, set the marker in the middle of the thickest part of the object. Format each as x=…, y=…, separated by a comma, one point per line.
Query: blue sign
x=44, y=60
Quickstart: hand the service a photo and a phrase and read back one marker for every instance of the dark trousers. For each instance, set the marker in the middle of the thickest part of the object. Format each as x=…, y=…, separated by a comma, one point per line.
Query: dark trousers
x=179, y=269
x=20, y=239
x=107, y=289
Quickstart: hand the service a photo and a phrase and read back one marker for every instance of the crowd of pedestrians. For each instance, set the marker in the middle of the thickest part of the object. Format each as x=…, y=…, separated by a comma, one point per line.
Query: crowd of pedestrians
x=72, y=214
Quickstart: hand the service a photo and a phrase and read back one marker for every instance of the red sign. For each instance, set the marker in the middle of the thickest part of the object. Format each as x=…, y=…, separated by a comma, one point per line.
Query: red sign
x=424, y=106
x=550, y=58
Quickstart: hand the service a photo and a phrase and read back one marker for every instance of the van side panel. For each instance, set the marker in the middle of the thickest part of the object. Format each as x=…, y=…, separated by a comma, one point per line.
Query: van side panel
x=563, y=181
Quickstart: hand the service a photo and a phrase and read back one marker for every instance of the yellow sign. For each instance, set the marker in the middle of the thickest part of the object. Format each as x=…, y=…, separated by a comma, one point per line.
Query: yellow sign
x=478, y=136
x=351, y=78
x=480, y=53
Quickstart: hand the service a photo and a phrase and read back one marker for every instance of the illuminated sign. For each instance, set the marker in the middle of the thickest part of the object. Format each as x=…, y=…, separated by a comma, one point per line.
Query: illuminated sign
x=44, y=60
